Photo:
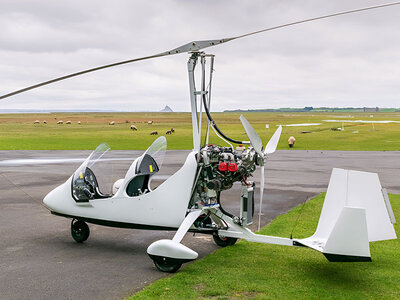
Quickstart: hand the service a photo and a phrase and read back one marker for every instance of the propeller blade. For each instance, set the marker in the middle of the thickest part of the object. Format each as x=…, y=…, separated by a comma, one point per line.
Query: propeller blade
x=192, y=46
x=273, y=142
x=262, y=170
x=254, y=138
x=269, y=148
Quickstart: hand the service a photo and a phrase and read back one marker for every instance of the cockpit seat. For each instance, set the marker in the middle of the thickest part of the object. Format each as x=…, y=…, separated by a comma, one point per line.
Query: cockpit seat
x=139, y=184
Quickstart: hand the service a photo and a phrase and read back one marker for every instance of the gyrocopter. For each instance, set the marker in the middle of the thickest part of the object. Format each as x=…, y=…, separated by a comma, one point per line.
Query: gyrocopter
x=356, y=209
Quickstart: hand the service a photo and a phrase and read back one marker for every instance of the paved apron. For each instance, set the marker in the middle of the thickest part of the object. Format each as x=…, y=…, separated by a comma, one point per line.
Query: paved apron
x=40, y=260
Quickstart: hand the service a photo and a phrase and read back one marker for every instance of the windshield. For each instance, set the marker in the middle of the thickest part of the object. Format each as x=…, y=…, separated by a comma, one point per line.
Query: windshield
x=85, y=184
x=151, y=161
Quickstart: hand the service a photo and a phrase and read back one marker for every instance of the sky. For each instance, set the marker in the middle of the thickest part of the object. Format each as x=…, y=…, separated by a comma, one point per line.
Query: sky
x=346, y=61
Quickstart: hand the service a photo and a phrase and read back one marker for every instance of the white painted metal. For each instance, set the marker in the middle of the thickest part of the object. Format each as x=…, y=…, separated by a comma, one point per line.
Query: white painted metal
x=193, y=102
x=269, y=149
x=353, y=214
x=171, y=249
x=237, y=231
x=388, y=206
x=365, y=190
x=209, y=96
x=254, y=138
x=165, y=206
x=273, y=142
x=186, y=224
x=262, y=180
x=117, y=184
x=357, y=189
x=349, y=236
x=203, y=93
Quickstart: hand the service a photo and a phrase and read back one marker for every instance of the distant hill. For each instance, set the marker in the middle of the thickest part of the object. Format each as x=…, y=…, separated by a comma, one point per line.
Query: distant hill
x=166, y=109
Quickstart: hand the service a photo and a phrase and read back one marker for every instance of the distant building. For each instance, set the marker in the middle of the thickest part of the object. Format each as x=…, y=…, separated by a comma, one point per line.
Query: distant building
x=371, y=109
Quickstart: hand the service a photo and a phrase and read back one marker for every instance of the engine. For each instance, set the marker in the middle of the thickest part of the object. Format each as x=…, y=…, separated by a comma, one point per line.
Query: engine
x=220, y=167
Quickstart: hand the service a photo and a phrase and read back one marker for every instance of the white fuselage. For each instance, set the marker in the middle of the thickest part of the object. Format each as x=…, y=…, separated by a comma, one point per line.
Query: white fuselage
x=165, y=206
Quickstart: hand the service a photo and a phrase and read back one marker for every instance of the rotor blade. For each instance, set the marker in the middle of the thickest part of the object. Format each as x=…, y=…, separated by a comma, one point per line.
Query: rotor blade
x=261, y=195
x=319, y=18
x=254, y=138
x=273, y=142
x=193, y=46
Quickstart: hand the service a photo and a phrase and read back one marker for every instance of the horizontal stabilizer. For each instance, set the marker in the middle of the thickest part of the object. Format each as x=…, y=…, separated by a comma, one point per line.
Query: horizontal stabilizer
x=346, y=258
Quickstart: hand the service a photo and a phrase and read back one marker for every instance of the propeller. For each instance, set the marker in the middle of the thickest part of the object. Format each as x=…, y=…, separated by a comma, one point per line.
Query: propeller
x=191, y=47
x=270, y=148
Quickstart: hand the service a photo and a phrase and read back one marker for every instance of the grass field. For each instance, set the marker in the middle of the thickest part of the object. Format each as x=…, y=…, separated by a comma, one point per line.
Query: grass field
x=17, y=131
x=258, y=271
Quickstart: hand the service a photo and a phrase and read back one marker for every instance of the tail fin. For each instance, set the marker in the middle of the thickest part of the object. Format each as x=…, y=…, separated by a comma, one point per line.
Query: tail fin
x=354, y=213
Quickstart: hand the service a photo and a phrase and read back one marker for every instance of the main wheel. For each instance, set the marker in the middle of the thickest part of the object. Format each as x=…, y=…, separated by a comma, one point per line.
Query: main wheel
x=223, y=241
x=79, y=231
x=167, y=267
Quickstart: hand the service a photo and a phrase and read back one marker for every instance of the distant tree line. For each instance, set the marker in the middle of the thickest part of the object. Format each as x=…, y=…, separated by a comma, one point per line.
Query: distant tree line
x=319, y=109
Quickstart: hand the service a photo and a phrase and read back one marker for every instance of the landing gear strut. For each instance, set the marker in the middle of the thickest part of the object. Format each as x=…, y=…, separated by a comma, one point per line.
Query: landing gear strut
x=79, y=231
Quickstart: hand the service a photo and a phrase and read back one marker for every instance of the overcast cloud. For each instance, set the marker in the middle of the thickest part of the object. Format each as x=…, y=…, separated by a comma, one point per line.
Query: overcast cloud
x=351, y=60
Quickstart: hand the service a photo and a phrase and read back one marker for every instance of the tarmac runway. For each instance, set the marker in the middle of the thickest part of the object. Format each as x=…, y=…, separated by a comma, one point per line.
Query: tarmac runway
x=40, y=260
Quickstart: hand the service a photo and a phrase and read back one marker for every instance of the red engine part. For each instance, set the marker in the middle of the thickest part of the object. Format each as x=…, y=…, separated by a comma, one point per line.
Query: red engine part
x=232, y=167
x=223, y=166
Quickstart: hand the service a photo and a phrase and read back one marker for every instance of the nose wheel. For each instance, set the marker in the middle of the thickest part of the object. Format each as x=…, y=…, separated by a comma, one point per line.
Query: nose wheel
x=167, y=267
x=79, y=231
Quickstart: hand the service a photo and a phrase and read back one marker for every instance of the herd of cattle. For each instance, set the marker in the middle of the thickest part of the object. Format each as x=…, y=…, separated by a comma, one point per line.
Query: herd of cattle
x=132, y=127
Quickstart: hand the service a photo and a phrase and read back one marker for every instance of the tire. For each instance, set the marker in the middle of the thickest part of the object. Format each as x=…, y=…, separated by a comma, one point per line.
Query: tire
x=223, y=241
x=79, y=231
x=167, y=267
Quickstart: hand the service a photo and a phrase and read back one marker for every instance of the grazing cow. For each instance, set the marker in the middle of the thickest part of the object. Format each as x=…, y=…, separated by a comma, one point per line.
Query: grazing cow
x=154, y=133
x=133, y=127
x=169, y=132
x=68, y=122
x=79, y=122
x=60, y=122
x=111, y=123
x=149, y=122
x=36, y=122
x=172, y=130
x=44, y=122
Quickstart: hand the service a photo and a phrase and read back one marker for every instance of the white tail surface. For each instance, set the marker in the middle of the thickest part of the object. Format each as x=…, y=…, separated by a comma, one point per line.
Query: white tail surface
x=349, y=236
x=354, y=213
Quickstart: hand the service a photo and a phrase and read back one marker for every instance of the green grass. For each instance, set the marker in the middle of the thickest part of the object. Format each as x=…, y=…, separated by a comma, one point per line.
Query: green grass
x=250, y=270
x=17, y=131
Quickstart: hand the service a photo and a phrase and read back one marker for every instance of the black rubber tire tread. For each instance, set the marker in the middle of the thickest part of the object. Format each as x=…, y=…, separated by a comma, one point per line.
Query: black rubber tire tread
x=225, y=241
x=168, y=268
x=80, y=231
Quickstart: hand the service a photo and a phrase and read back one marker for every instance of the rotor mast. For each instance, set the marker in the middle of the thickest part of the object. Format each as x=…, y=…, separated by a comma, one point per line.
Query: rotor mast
x=197, y=96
